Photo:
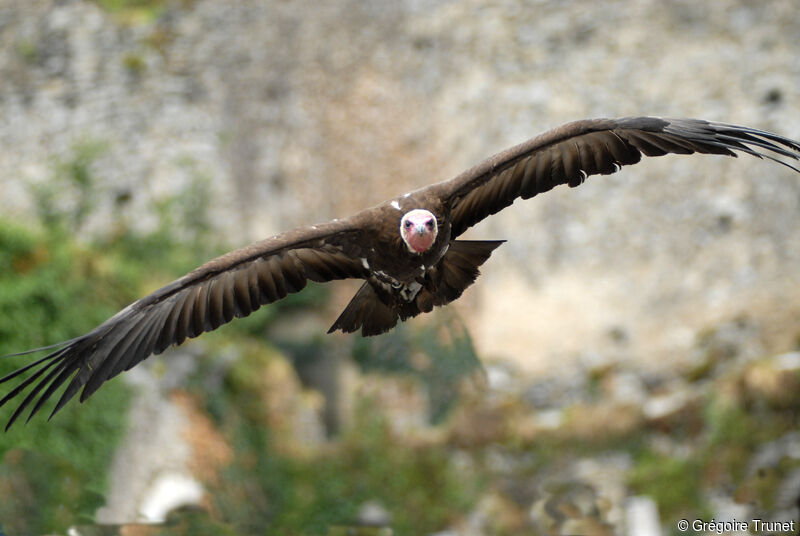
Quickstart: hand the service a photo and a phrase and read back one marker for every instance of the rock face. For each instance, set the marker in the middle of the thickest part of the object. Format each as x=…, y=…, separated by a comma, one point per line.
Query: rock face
x=288, y=109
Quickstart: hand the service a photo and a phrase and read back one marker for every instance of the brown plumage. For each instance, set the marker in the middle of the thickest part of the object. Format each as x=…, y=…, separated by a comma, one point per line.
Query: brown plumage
x=376, y=245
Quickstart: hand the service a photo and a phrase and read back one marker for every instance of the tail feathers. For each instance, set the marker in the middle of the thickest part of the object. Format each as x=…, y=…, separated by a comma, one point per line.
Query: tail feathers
x=366, y=311
x=457, y=270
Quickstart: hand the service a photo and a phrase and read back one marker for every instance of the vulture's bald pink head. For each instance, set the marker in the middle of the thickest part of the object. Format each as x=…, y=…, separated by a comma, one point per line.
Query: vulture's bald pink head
x=418, y=229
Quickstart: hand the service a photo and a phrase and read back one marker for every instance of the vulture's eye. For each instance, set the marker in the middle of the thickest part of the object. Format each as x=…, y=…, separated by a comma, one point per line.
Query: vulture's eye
x=407, y=224
x=429, y=224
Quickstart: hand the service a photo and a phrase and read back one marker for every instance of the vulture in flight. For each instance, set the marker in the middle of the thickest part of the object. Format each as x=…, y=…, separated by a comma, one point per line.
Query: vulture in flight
x=406, y=249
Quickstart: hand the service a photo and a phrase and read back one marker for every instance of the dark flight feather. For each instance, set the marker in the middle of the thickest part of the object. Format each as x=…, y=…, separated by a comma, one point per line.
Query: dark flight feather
x=368, y=246
x=572, y=152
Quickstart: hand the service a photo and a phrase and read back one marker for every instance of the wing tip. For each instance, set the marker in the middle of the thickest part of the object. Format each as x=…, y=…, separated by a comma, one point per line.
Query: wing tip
x=52, y=380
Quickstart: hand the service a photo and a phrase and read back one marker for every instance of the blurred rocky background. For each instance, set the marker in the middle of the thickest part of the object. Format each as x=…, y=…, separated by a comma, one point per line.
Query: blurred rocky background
x=627, y=359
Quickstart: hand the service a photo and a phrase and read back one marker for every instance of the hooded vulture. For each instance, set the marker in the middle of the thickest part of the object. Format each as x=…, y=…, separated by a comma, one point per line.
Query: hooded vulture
x=406, y=250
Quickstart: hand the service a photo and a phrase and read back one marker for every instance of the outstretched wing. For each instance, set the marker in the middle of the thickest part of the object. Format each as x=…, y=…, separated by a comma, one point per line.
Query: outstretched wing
x=225, y=288
x=572, y=152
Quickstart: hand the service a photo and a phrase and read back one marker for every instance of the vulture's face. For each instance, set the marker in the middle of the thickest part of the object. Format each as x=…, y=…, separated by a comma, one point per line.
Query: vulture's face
x=418, y=229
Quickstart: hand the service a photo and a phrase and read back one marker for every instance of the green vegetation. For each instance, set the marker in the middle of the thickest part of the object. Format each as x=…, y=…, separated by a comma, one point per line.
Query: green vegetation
x=65, y=201
x=269, y=492
x=52, y=288
x=717, y=456
x=439, y=354
x=61, y=464
x=683, y=496
x=134, y=11
x=28, y=51
x=134, y=63
x=139, y=11
x=278, y=484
